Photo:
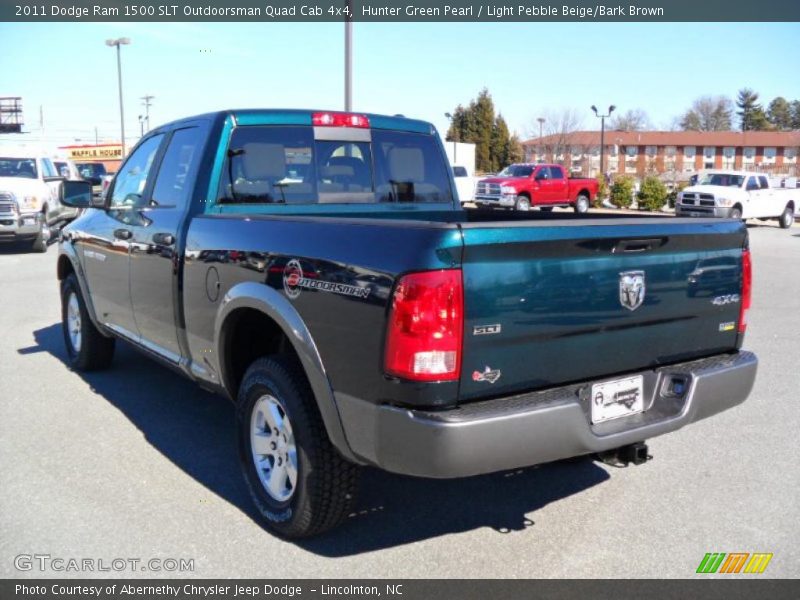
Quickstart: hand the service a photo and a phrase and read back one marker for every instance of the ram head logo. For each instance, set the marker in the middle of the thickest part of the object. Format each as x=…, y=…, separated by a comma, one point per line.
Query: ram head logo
x=631, y=289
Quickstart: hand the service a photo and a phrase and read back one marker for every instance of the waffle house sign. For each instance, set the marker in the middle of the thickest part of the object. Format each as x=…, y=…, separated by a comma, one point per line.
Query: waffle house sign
x=101, y=152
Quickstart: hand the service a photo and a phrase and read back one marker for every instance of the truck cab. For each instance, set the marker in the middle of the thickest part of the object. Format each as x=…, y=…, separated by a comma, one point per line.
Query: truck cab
x=738, y=195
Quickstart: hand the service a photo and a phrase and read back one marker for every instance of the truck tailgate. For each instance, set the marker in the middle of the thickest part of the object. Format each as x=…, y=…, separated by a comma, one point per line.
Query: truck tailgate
x=559, y=301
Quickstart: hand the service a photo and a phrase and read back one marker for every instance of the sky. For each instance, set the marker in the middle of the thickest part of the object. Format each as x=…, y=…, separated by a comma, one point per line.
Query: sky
x=419, y=70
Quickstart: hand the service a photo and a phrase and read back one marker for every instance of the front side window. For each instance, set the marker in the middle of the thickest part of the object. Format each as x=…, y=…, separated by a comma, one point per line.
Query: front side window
x=24, y=168
x=48, y=170
x=286, y=165
x=131, y=180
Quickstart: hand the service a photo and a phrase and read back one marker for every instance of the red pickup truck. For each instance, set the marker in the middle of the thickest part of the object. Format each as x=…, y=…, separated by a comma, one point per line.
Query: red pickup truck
x=522, y=186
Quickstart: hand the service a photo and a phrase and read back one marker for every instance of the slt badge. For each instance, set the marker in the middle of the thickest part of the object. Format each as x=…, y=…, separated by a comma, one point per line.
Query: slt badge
x=631, y=289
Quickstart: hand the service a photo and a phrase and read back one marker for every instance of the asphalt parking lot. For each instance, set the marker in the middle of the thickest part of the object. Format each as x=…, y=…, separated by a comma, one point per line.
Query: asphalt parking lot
x=136, y=462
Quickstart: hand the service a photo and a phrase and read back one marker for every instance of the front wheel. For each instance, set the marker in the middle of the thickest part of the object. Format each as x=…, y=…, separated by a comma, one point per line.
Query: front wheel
x=87, y=348
x=40, y=241
x=522, y=203
x=582, y=204
x=787, y=218
x=298, y=481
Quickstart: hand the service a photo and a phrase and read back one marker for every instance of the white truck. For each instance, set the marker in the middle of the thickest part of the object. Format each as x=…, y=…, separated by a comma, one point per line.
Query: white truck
x=738, y=195
x=29, y=191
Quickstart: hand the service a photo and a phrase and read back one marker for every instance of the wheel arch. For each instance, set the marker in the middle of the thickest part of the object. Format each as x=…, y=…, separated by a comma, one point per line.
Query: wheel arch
x=254, y=320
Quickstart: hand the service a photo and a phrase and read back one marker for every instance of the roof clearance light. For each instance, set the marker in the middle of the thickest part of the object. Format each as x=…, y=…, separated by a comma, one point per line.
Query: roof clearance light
x=333, y=119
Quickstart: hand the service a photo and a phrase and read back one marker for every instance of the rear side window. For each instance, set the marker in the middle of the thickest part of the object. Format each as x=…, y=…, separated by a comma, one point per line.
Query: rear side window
x=286, y=165
x=459, y=172
x=556, y=173
x=763, y=181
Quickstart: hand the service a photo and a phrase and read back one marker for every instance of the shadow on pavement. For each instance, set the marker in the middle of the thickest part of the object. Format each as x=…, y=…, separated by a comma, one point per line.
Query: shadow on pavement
x=195, y=431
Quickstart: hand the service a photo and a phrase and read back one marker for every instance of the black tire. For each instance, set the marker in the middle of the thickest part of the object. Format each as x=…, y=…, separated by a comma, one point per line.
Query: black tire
x=582, y=204
x=522, y=203
x=787, y=218
x=736, y=213
x=95, y=351
x=325, y=482
x=40, y=241
x=546, y=208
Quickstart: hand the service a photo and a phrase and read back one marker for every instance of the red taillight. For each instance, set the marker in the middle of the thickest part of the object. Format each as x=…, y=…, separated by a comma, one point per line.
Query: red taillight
x=334, y=119
x=426, y=320
x=747, y=289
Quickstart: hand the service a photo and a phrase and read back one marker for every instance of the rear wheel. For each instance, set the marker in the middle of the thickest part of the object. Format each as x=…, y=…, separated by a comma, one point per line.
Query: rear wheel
x=736, y=213
x=582, y=204
x=298, y=481
x=522, y=203
x=87, y=348
x=787, y=218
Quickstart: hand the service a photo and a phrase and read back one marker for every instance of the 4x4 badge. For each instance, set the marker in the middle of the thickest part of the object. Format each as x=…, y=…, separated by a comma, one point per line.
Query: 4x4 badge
x=490, y=375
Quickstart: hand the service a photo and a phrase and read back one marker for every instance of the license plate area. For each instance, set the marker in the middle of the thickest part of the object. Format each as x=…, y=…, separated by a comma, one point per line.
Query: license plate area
x=617, y=398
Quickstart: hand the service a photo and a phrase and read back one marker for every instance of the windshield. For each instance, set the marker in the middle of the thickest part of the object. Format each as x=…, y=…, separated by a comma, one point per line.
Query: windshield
x=18, y=167
x=286, y=165
x=516, y=171
x=723, y=179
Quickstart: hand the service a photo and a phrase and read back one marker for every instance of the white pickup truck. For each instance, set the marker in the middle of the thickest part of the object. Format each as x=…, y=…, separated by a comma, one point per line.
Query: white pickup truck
x=738, y=195
x=29, y=204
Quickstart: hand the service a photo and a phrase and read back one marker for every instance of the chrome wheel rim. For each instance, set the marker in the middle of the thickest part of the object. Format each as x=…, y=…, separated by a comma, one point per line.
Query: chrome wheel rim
x=523, y=204
x=74, y=322
x=583, y=204
x=273, y=448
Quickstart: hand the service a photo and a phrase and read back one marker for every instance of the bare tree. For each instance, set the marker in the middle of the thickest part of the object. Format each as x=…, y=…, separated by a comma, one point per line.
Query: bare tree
x=708, y=113
x=633, y=120
x=557, y=130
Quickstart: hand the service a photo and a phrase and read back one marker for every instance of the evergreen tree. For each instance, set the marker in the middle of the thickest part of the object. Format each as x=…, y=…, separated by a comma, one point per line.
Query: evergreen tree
x=779, y=113
x=499, y=147
x=751, y=113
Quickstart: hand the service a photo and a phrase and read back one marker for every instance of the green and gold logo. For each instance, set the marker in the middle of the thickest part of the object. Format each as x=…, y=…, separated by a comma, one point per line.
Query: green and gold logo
x=734, y=562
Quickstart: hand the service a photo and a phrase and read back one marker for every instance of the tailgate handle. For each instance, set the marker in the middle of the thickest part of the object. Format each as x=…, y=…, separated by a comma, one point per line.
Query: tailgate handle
x=644, y=245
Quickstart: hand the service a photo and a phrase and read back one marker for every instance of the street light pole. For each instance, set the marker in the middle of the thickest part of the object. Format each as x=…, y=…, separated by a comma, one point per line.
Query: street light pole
x=602, y=135
x=541, y=122
x=119, y=42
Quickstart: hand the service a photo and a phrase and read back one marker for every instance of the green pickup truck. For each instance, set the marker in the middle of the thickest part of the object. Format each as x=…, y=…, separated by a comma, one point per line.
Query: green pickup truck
x=316, y=269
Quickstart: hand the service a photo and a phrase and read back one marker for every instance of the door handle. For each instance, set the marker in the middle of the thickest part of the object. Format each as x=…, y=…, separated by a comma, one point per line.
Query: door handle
x=123, y=234
x=163, y=239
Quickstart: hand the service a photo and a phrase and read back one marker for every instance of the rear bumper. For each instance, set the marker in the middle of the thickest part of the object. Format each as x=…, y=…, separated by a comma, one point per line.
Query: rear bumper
x=539, y=427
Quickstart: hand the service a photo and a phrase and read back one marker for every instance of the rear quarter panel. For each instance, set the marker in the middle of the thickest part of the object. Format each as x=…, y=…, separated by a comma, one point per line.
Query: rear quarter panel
x=348, y=329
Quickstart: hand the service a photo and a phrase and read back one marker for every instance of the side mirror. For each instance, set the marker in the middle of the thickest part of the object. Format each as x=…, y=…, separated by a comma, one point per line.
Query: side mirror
x=77, y=194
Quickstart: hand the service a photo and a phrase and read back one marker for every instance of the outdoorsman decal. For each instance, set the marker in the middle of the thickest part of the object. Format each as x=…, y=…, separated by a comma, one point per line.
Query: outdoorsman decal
x=294, y=280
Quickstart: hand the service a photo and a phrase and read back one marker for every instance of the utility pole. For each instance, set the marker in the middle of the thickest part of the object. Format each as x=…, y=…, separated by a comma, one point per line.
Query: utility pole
x=348, y=57
x=541, y=122
x=146, y=103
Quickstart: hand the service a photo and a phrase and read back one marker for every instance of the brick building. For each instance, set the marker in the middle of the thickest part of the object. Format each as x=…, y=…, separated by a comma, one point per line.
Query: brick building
x=675, y=153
